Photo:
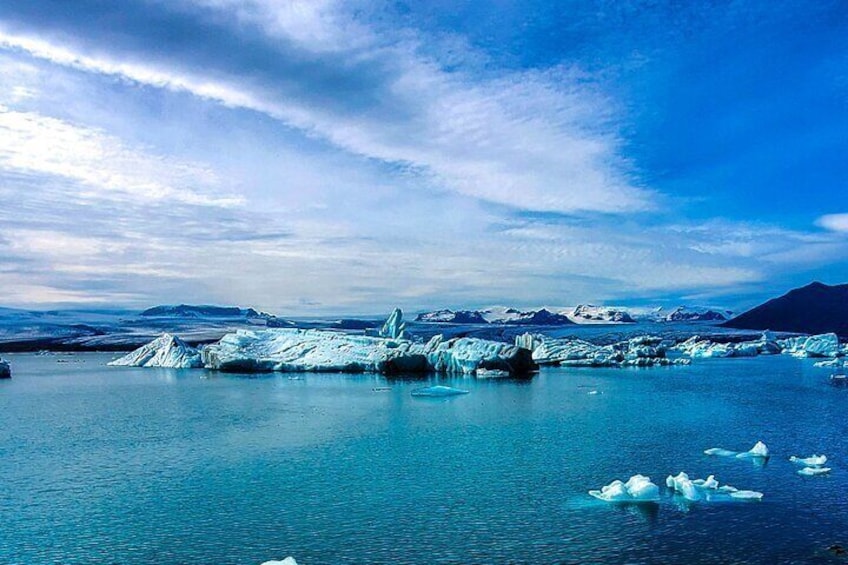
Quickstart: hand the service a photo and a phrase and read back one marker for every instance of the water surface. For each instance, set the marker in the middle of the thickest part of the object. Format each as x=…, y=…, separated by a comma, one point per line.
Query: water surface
x=138, y=466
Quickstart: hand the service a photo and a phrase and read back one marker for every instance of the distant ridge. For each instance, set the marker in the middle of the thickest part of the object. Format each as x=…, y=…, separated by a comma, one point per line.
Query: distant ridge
x=815, y=308
x=202, y=311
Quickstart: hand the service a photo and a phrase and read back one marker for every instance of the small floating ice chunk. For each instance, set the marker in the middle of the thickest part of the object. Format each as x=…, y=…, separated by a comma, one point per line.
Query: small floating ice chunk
x=637, y=489
x=683, y=485
x=759, y=450
x=719, y=452
x=746, y=495
x=592, y=392
x=813, y=471
x=811, y=461
x=438, y=390
x=286, y=561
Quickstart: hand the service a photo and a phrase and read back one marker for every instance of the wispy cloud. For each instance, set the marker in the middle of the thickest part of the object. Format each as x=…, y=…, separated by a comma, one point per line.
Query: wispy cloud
x=535, y=139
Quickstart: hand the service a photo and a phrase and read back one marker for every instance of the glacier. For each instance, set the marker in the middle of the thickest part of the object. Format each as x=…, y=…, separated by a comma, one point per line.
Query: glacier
x=164, y=351
x=5, y=369
x=637, y=489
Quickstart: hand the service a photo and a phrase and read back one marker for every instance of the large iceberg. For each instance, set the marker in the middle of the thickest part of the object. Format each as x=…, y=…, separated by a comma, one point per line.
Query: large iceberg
x=643, y=351
x=637, y=489
x=165, y=351
x=696, y=347
x=291, y=350
x=5, y=369
x=823, y=345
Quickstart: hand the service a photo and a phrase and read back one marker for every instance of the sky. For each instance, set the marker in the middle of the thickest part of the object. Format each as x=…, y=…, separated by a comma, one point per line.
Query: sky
x=308, y=157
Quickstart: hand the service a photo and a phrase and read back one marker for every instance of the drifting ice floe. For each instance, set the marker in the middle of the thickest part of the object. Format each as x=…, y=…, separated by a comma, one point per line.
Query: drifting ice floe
x=286, y=561
x=707, y=489
x=438, y=391
x=811, y=461
x=759, y=451
x=813, y=471
x=5, y=369
x=164, y=351
x=638, y=489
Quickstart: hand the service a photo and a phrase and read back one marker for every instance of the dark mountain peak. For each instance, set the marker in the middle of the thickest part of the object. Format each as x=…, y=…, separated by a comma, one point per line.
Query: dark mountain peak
x=814, y=308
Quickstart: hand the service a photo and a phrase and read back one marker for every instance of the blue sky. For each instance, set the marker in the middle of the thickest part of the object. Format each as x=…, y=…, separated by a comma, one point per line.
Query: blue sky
x=328, y=156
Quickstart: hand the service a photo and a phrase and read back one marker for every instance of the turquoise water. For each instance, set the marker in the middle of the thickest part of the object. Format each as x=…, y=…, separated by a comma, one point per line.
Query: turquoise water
x=125, y=466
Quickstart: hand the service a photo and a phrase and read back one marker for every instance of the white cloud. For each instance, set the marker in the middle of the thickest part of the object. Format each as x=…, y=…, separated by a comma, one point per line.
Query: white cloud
x=532, y=140
x=106, y=167
x=834, y=222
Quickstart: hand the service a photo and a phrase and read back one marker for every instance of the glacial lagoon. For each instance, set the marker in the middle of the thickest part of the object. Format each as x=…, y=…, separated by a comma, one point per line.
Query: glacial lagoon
x=135, y=466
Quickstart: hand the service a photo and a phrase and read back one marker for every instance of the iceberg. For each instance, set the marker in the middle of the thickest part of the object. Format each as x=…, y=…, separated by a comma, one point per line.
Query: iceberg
x=759, y=450
x=822, y=345
x=638, y=489
x=707, y=489
x=811, y=461
x=394, y=327
x=286, y=561
x=295, y=350
x=438, y=391
x=5, y=369
x=696, y=347
x=643, y=351
x=813, y=471
x=164, y=351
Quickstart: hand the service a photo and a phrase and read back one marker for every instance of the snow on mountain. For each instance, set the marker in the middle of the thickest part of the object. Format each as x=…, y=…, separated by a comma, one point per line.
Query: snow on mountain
x=452, y=317
x=685, y=314
x=589, y=314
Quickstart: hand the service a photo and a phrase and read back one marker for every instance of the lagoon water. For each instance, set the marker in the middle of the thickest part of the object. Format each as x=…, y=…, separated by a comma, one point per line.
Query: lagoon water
x=139, y=466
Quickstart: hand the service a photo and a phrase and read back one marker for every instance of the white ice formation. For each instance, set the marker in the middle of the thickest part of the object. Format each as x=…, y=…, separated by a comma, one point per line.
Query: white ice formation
x=813, y=471
x=164, y=351
x=438, y=391
x=286, y=561
x=707, y=489
x=811, y=461
x=637, y=489
x=643, y=351
x=759, y=451
x=394, y=327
